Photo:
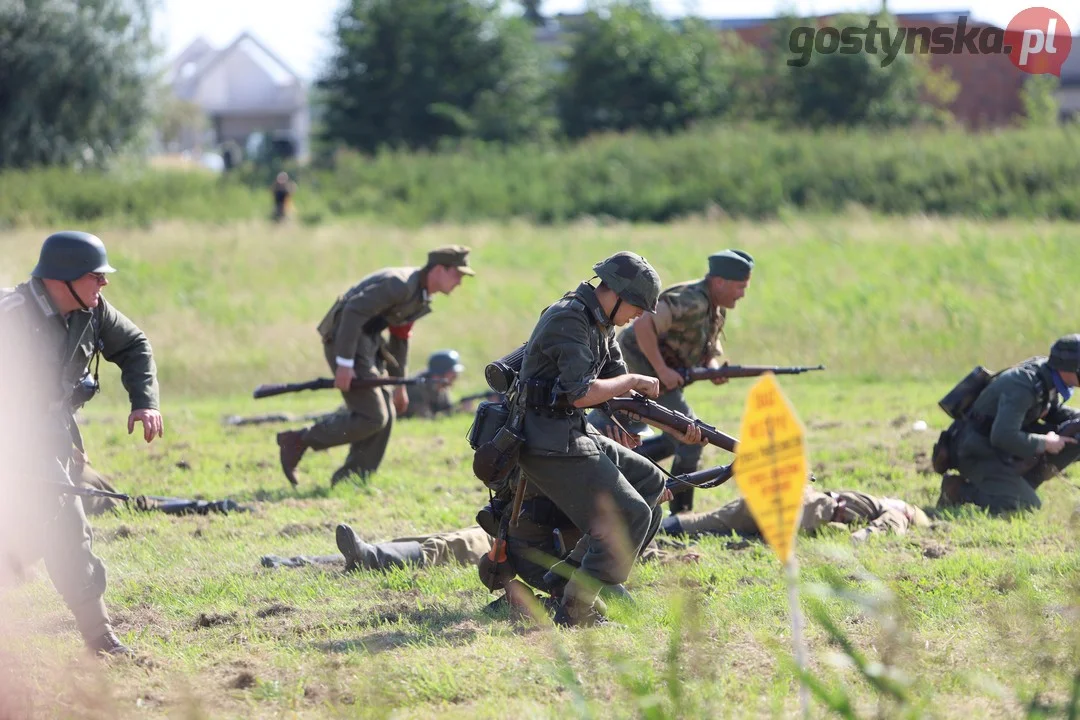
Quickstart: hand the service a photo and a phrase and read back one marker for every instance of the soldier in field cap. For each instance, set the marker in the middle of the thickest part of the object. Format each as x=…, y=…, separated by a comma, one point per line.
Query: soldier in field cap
x=683, y=333
x=366, y=334
x=1008, y=443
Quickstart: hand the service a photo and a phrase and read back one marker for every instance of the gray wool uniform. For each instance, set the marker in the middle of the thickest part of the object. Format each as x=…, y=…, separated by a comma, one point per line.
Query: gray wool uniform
x=42, y=357
x=582, y=472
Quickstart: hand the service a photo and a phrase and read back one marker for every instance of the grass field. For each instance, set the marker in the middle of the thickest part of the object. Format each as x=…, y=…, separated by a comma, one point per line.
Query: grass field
x=983, y=611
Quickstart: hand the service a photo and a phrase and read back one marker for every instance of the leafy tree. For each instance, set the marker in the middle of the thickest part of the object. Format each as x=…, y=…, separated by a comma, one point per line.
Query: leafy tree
x=858, y=88
x=74, y=79
x=1041, y=107
x=531, y=11
x=408, y=74
x=628, y=67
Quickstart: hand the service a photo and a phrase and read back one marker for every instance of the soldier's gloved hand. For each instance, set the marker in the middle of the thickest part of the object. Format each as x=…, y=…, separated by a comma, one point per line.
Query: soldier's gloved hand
x=1056, y=443
x=343, y=378
x=401, y=399
x=153, y=424
x=670, y=378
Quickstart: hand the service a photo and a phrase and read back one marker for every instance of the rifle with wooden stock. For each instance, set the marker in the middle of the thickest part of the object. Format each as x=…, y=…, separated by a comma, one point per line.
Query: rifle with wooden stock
x=695, y=374
x=639, y=407
x=327, y=383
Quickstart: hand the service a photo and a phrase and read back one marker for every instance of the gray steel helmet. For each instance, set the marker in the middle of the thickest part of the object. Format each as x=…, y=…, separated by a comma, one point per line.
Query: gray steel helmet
x=70, y=254
x=632, y=278
x=1065, y=354
x=444, y=361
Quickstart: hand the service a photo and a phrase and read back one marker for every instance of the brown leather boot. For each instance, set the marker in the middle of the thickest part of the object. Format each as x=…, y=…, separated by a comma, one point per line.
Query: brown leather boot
x=952, y=490
x=291, y=443
x=109, y=644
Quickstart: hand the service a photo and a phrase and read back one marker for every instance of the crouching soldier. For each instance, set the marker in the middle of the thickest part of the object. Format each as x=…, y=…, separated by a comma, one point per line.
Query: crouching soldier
x=571, y=362
x=1007, y=445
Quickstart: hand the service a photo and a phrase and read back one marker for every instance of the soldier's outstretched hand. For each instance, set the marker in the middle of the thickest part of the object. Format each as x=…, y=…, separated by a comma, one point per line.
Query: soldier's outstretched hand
x=153, y=424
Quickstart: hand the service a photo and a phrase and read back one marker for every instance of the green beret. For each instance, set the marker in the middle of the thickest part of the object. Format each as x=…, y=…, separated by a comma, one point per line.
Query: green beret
x=731, y=265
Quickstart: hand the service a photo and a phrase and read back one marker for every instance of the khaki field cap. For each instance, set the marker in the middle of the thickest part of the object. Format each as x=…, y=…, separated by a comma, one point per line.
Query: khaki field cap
x=632, y=278
x=453, y=255
x=1065, y=354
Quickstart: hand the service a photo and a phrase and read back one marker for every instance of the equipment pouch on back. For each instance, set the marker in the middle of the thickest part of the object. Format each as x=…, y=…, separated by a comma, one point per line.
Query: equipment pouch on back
x=960, y=399
x=496, y=442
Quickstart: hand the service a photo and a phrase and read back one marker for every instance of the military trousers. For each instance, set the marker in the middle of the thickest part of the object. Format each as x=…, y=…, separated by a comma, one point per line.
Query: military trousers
x=44, y=524
x=611, y=496
x=465, y=546
x=364, y=424
x=998, y=487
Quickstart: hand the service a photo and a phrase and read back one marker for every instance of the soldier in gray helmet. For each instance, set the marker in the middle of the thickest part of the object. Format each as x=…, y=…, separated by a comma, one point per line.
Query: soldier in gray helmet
x=571, y=363
x=1008, y=444
x=56, y=327
x=431, y=398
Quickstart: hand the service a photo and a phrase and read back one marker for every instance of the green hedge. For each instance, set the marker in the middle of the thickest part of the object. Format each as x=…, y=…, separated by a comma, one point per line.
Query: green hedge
x=747, y=172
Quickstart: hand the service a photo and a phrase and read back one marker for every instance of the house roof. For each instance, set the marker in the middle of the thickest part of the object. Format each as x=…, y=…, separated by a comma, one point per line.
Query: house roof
x=199, y=58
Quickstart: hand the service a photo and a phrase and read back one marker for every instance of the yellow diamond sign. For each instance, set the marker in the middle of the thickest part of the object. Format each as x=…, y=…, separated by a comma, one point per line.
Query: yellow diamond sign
x=771, y=466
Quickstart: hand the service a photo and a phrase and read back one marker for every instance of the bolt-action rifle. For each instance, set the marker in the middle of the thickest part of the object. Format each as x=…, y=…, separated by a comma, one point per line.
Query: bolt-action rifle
x=327, y=383
x=695, y=374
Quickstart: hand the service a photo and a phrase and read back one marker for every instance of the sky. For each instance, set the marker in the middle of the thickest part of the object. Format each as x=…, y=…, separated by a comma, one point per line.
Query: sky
x=300, y=33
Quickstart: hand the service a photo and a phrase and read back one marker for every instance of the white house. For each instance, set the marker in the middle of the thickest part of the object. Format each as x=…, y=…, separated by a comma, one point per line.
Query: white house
x=243, y=89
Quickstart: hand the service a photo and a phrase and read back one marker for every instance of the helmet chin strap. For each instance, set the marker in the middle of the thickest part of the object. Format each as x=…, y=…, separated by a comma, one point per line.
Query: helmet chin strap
x=611, y=317
x=75, y=295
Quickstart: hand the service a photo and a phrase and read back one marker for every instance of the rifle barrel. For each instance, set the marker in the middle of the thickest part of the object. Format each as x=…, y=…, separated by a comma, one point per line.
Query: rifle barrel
x=328, y=383
x=709, y=478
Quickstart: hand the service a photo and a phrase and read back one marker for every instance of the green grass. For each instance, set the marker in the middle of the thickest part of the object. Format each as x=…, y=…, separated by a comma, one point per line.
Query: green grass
x=985, y=609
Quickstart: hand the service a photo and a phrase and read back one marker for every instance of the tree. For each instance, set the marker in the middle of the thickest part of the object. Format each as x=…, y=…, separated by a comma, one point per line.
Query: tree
x=410, y=74
x=628, y=68
x=74, y=79
x=1040, y=103
x=856, y=88
x=531, y=12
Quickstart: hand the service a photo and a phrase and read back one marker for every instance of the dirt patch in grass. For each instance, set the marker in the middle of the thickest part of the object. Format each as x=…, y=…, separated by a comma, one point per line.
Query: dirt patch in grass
x=214, y=619
x=275, y=609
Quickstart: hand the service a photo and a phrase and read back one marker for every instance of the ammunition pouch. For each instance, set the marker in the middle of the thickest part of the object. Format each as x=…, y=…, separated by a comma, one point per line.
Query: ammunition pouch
x=496, y=444
x=540, y=397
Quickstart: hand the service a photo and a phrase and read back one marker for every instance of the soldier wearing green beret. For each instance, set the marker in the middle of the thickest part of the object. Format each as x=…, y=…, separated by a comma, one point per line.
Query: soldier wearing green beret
x=684, y=332
x=1007, y=444
x=56, y=327
x=432, y=397
x=571, y=363
x=354, y=345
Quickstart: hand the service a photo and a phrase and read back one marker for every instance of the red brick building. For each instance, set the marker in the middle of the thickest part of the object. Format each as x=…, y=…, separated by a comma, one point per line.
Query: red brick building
x=989, y=85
